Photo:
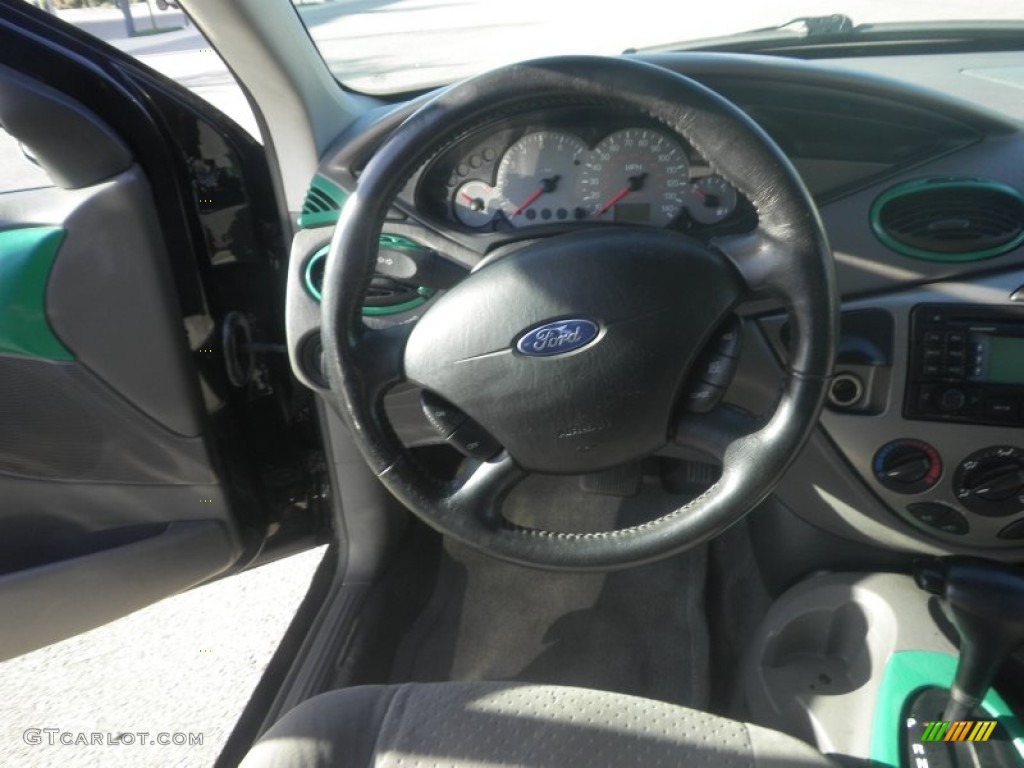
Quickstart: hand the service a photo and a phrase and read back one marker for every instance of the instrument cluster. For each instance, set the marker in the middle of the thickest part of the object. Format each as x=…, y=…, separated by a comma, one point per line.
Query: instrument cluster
x=578, y=169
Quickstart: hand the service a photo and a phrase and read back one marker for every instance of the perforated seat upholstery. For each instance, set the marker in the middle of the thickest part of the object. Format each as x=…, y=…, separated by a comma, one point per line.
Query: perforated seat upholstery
x=439, y=725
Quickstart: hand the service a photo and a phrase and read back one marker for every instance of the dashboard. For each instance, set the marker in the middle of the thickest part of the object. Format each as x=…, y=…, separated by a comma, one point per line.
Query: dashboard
x=920, y=447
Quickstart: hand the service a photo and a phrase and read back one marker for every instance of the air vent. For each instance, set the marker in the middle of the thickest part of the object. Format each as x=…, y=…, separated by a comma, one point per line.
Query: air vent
x=950, y=219
x=384, y=297
x=323, y=203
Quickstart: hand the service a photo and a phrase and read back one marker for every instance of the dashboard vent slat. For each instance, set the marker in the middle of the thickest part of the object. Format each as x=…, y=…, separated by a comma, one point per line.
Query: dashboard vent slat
x=322, y=204
x=950, y=219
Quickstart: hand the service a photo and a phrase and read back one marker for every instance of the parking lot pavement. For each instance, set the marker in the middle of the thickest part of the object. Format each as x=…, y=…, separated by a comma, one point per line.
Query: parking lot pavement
x=183, y=667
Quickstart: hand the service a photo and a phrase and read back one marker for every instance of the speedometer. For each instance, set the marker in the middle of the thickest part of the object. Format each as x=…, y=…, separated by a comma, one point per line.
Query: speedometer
x=635, y=176
x=537, y=178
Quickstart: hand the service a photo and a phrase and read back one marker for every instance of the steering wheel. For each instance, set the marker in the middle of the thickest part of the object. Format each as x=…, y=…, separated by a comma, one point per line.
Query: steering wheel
x=572, y=351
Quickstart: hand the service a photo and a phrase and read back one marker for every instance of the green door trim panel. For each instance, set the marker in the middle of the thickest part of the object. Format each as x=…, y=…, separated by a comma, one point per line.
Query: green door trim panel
x=26, y=258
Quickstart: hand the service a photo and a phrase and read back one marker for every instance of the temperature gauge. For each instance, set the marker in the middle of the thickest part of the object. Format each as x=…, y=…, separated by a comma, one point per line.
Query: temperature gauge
x=475, y=204
x=711, y=199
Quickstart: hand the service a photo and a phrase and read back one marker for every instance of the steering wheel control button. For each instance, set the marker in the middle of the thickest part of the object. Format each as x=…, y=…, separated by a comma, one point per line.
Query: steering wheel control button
x=846, y=391
x=703, y=397
x=472, y=440
x=1014, y=531
x=940, y=517
x=991, y=481
x=730, y=339
x=557, y=338
x=717, y=370
x=442, y=415
x=907, y=466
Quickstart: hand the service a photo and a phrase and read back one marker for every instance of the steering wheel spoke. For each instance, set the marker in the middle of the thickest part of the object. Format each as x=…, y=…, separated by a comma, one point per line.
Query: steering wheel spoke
x=714, y=432
x=765, y=264
x=483, y=486
x=380, y=355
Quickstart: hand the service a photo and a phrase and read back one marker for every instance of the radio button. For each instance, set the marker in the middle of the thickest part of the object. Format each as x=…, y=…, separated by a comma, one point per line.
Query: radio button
x=955, y=338
x=953, y=371
x=952, y=400
x=932, y=369
x=924, y=398
x=1001, y=409
x=933, y=340
x=933, y=355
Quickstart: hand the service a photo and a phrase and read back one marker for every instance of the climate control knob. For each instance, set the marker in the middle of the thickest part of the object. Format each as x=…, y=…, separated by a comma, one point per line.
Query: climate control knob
x=907, y=466
x=991, y=481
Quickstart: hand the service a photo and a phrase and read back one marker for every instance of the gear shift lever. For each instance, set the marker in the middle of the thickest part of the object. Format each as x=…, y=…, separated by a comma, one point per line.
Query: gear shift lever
x=985, y=602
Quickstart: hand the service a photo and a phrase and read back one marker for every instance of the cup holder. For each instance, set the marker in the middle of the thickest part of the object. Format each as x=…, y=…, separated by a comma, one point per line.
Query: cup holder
x=822, y=652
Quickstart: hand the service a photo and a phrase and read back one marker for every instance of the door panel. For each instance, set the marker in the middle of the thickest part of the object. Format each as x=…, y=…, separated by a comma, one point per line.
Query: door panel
x=131, y=467
x=110, y=299
x=104, y=467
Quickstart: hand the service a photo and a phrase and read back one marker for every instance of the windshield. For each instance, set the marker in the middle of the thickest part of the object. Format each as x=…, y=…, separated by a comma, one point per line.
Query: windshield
x=389, y=46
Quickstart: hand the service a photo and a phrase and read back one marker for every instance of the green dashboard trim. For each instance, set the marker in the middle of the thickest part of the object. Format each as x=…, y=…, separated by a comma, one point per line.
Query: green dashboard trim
x=386, y=239
x=307, y=273
x=322, y=207
x=26, y=258
x=910, y=187
x=908, y=672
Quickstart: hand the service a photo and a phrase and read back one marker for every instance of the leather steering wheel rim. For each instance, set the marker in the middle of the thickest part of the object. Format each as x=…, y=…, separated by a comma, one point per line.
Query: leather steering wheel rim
x=787, y=257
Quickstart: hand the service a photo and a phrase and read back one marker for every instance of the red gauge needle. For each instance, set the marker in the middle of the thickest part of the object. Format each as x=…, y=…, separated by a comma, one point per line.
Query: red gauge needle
x=633, y=184
x=467, y=198
x=546, y=185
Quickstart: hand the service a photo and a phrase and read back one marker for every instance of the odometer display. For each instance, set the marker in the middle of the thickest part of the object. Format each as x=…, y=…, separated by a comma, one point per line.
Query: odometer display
x=641, y=171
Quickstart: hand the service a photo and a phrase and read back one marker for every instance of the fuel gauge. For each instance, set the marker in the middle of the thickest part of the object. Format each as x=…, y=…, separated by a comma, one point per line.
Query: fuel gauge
x=710, y=199
x=475, y=204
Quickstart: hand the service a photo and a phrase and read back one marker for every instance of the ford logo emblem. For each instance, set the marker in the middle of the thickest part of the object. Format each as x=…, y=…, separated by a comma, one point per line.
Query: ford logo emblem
x=557, y=338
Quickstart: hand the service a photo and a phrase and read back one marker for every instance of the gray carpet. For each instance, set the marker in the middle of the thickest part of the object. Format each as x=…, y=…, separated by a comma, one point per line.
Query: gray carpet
x=642, y=631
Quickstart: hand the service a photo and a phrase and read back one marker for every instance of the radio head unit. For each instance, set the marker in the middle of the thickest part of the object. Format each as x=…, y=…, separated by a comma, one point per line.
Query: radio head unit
x=966, y=364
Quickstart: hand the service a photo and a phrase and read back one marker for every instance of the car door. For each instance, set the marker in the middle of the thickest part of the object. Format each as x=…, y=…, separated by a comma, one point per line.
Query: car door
x=151, y=434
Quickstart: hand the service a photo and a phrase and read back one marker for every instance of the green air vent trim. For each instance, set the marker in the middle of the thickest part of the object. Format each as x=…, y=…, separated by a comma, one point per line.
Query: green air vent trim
x=931, y=184
x=314, y=262
x=26, y=258
x=908, y=672
x=323, y=203
x=385, y=239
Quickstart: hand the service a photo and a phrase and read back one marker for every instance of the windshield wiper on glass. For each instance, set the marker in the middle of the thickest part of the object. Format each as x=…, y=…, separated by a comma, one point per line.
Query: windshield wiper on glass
x=822, y=35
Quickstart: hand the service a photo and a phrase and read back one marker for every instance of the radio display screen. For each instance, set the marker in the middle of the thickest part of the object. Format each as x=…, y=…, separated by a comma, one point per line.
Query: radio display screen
x=1005, y=360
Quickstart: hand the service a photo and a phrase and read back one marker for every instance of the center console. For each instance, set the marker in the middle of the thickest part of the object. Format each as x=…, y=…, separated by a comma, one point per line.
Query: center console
x=842, y=661
x=928, y=413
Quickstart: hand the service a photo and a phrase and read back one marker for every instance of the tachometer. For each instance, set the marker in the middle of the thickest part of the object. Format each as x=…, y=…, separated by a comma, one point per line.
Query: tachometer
x=537, y=178
x=635, y=176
